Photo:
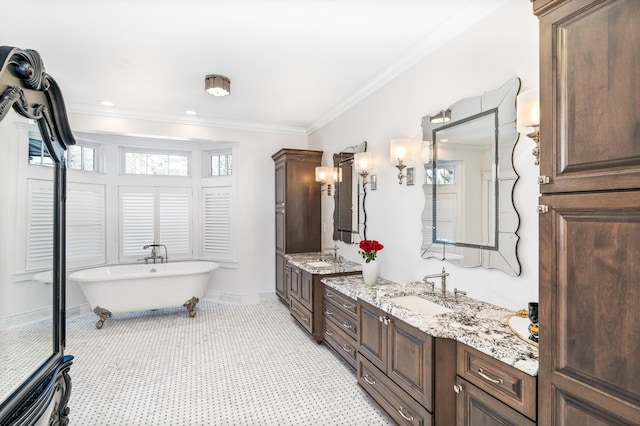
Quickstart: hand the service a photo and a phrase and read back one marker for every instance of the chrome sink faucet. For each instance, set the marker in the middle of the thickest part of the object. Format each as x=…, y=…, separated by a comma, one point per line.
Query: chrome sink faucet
x=154, y=256
x=443, y=280
x=334, y=249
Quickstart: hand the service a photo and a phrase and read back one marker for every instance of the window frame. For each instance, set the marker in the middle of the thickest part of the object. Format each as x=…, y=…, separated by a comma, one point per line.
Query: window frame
x=124, y=150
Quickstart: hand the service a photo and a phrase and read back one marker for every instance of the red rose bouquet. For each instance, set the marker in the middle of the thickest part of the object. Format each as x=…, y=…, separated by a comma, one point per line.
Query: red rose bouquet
x=369, y=249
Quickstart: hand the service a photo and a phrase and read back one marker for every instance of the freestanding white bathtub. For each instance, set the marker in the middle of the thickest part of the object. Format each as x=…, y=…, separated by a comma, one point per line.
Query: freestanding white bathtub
x=126, y=288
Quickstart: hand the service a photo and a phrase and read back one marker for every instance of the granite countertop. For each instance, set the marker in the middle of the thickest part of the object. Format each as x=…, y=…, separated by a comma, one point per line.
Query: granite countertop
x=477, y=324
x=303, y=260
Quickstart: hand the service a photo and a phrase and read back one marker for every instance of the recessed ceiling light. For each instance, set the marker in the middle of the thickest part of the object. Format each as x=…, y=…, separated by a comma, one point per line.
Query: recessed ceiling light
x=106, y=103
x=190, y=112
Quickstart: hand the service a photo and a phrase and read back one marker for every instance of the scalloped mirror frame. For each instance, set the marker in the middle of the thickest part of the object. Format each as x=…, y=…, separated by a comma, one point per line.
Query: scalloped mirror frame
x=503, y=254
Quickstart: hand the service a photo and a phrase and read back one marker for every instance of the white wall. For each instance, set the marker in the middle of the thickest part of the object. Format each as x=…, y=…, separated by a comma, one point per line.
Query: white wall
x=501, y=47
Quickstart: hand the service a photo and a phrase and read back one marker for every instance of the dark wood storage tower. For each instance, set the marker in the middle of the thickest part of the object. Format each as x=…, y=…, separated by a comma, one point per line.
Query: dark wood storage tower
x=298, y=208
x=590, y=212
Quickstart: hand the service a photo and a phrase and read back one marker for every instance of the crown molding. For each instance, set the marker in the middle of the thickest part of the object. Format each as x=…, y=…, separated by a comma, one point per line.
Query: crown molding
x=252, y=126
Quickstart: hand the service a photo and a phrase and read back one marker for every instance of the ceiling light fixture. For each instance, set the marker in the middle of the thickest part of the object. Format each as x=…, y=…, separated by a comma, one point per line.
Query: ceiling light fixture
x=217, y=85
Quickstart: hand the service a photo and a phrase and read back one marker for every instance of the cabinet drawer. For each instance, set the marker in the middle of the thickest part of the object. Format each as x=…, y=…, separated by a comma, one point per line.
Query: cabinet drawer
x=403, y=409
x=344, y=345
x=345, y=303
x=345, y=321
x=302, y=314
x=508, y=384
x=476, y=407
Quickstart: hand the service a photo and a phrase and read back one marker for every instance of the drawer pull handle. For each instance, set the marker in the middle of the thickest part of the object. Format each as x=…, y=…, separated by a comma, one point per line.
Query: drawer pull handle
x=328, y=312
x=347, y=305
x=328, y=333
x=293, y=308
x=457, y=388
x=303, y=318
x=366, y=379
x=401, y=412
x=482, y=374
x=346, y=348
x=329, y=295
x=347, y=325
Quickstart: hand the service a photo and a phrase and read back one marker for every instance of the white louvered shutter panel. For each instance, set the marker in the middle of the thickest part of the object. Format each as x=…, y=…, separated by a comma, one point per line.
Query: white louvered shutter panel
x=446, y=215
x=137, y=220
x=217, y=223
x=40, y=224
x=85, y=232
x=175, y=222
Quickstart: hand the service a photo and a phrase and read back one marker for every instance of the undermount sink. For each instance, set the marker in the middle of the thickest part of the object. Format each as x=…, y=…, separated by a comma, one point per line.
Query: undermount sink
x=420, y=306
x=319, y=264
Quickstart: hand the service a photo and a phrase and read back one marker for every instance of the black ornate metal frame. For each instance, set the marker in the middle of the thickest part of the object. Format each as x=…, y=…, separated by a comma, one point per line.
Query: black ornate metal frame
x=34, y=94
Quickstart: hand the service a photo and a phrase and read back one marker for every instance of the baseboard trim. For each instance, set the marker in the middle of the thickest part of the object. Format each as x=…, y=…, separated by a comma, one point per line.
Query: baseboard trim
x=239, y=299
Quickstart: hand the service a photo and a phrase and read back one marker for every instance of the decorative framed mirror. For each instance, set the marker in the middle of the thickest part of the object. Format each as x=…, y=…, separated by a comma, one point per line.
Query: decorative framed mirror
x=349, y=215
x=34, y=380
x=469, y=217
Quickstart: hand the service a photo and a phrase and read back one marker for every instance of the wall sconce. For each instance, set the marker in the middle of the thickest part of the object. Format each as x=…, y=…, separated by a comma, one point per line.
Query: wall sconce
x=217, y=85
x=528, y=104
x=363, y=164
x=426, y=152
x=441, y=117
x=402, y=150
x=326, y=175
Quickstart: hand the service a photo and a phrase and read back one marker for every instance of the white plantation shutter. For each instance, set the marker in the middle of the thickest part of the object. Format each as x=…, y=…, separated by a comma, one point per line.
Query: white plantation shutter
x=446, y=215
x=160, y=215
x=39, y=224
x=85, y=231
x=137, y=220
x=175, y=222
x=217, y=223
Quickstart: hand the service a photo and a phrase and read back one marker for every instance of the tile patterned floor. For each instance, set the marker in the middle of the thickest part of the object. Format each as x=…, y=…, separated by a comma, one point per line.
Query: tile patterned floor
x=230, y=365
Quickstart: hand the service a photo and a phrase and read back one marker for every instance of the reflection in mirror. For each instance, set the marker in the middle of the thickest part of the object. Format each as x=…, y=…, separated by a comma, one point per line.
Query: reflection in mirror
x=27, y=336
x=349, y=216
x=469, y=216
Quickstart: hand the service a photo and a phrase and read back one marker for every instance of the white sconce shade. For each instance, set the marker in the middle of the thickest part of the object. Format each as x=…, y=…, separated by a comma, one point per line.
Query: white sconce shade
x=528, y=104
x=402, y=150
x=363, y=162
x=325, y=174
x=426, y=152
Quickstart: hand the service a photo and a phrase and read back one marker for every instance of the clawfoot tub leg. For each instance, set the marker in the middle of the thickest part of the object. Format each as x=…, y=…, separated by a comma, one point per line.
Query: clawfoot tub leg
x=103, y=314
x=191, y=306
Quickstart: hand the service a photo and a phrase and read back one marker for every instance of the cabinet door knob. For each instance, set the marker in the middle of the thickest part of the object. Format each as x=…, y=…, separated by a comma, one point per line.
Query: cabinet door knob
x=457, y=388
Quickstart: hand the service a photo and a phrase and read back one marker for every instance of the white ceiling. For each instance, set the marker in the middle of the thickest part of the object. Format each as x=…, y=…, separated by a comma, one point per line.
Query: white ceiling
x=293, y=64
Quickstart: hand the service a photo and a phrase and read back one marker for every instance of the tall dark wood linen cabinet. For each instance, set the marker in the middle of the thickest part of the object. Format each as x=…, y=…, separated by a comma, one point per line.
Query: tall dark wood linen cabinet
x=298, y=208
x=589, y=212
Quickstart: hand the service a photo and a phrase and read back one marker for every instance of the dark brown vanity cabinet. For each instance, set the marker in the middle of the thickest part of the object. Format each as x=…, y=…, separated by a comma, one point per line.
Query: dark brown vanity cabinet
x=301, y=298
x=298, y=208
x=396, y=366
x=590, y=212
x=490, y=392
x=340, y=324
